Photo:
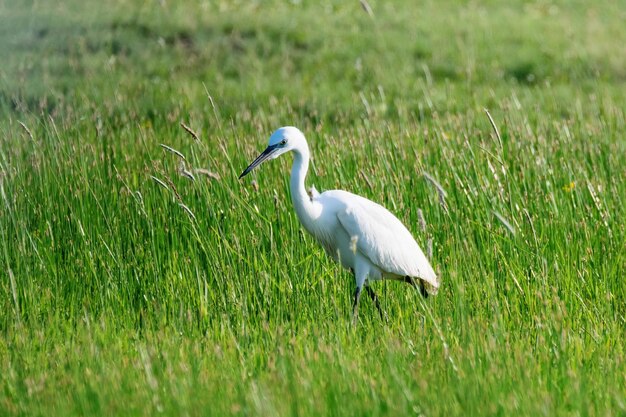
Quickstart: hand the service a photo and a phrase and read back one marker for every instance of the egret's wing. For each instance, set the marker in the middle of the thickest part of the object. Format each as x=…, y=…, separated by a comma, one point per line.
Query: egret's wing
x=384, y=240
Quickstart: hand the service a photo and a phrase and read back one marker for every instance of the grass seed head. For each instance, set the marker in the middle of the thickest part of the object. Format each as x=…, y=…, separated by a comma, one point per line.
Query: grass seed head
x=174, y=151
x=193, y=134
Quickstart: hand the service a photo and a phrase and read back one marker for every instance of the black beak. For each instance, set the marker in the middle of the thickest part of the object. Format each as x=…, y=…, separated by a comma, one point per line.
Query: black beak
x=259, y=160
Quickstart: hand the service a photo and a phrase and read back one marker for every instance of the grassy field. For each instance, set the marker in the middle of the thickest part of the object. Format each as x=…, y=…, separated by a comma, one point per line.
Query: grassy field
x=127, y=288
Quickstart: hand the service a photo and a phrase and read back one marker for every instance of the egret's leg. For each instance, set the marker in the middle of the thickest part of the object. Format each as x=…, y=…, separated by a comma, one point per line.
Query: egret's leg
x=374, y=298
x=360, y=275
x=355, y=305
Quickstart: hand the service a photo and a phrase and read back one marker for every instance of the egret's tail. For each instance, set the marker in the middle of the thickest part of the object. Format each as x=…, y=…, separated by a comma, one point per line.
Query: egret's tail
x=429, y=288
x=426, y=287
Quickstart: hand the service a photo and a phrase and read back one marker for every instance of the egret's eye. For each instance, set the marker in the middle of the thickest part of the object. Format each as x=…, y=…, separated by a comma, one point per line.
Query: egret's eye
x=283, y=142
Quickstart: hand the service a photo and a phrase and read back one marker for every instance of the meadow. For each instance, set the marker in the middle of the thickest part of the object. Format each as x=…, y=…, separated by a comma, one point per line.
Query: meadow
x=135, y=281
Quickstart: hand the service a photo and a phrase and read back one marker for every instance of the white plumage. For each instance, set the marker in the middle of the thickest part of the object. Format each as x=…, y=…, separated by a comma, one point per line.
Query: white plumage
x=361, y=235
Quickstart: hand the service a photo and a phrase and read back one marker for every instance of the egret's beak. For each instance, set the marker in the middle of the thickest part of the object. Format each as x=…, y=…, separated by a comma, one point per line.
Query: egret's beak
x=267, y=153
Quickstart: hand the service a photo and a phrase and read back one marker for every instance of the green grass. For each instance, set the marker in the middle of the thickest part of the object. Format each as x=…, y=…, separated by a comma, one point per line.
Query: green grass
x=115, y=300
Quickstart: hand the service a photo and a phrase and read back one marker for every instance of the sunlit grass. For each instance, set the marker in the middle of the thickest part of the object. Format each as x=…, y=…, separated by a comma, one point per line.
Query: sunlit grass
x=140, y=276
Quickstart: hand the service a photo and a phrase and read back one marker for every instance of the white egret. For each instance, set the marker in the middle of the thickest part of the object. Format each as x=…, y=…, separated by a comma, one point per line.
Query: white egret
x=361, y=235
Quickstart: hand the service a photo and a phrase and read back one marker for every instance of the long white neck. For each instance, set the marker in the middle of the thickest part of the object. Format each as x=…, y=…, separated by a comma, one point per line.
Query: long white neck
x=305, y=209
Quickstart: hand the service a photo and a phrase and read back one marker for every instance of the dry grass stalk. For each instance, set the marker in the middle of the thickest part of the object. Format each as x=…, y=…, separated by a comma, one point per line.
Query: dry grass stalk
x=182, y=170
x=188, y=210
x=14, y=293
x=440, y=191
x=367, y=180
x=187, y=174
x=193, y=134
x=173, y=188
x=505, y=223
x=312, y=192
x=367, y=8
x=495, y=128
x=158, y=181
x=217, y=118
x=434, y=182
x=429, y=248
x=421, y=220
x=598, y=204
x=26, y=129
x=174, y=151
x=208, y=173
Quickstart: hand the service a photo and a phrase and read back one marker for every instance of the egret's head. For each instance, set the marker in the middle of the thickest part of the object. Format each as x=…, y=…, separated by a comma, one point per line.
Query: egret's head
x=283, y=140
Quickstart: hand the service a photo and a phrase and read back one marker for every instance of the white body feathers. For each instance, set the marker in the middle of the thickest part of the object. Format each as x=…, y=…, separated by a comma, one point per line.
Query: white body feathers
x=360, y=234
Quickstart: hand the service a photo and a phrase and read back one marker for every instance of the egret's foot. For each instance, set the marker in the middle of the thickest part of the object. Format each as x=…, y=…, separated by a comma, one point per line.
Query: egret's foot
x=374, y=298
x=355, y=305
